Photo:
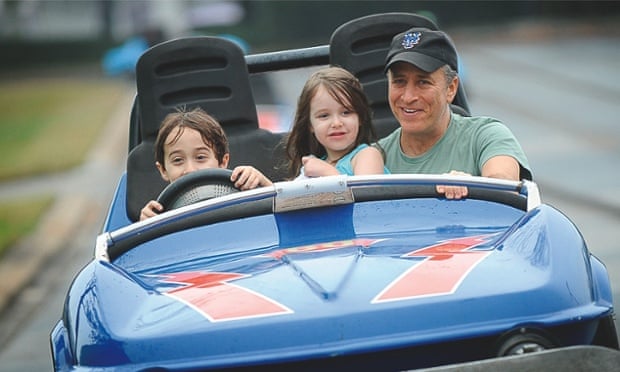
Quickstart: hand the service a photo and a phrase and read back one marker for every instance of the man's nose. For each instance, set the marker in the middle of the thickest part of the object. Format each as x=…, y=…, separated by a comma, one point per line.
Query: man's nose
x=410, y=93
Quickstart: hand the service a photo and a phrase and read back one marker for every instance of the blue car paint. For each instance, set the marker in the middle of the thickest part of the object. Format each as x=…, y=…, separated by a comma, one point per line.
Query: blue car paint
x=329, y=292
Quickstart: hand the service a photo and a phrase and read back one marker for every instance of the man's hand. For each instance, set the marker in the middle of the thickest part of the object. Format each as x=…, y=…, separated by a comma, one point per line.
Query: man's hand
x=453, y=192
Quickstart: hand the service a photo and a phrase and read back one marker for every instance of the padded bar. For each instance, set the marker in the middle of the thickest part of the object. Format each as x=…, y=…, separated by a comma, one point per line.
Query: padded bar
x=288, y=59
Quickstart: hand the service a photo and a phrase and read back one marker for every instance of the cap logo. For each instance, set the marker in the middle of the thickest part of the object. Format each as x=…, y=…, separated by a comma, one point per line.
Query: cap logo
x=411, y=39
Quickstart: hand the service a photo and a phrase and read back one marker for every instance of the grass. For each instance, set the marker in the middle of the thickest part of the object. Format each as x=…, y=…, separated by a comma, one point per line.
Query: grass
x=46, y=125
x=19, y=218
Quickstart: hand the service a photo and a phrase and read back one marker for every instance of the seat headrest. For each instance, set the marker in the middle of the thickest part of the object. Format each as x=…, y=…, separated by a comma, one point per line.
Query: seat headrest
x=361, y=46
x=207, y=72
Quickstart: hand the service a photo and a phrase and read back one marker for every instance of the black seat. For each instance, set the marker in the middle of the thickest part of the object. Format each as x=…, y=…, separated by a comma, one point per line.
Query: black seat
x=361, y=46
x=207, y=72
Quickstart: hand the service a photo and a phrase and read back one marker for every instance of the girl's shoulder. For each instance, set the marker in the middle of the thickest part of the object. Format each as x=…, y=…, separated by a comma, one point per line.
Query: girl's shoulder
x=368, y=151
x=359, y=148
x=370, y=159
x=364, y=149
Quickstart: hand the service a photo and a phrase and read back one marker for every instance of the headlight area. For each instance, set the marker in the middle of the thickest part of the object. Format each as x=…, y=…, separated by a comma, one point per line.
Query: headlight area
x=524, y=340
x=530, y=339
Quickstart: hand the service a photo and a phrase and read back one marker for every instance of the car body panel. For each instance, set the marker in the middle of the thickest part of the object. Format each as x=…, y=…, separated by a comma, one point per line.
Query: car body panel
x=338, y=280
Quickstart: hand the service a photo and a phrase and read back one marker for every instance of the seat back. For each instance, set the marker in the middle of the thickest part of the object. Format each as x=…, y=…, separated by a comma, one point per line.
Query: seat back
x=206, y=72
x=361, y=46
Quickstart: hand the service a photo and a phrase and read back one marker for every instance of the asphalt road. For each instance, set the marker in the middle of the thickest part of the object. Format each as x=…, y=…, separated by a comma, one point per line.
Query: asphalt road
x=560, y=97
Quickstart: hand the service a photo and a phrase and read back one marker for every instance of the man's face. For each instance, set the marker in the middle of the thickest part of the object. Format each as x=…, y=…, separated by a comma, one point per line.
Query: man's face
x=419, y=99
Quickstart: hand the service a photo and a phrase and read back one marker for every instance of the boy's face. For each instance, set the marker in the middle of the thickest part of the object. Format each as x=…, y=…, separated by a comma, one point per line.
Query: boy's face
x=188, y=154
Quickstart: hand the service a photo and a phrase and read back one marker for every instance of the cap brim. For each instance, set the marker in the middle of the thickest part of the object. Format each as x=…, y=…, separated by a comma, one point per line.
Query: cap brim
x=421, y=61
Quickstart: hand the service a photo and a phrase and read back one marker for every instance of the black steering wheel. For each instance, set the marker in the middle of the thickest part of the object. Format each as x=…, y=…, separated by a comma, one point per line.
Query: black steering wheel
x=200, y=185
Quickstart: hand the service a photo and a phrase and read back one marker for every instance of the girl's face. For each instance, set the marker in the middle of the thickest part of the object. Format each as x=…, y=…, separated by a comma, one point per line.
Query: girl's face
x=334, y=126
x=188, y=154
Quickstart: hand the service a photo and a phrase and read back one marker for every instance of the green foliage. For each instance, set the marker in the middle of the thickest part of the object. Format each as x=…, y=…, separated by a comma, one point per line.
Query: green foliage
x=48, y=125
x=20, y=217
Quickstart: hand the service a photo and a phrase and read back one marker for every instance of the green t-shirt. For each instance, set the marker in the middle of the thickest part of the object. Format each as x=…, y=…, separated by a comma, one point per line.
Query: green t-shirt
x=467, y=144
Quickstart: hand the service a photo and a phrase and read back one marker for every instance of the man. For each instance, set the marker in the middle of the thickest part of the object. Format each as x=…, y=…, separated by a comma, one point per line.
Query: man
x=421, y=67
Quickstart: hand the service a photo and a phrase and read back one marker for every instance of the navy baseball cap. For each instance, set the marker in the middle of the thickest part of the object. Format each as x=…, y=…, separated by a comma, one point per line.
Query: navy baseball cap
x=426, y=49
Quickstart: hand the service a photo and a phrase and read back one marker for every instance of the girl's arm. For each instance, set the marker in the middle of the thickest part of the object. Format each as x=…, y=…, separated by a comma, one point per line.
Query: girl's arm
x=368, y=161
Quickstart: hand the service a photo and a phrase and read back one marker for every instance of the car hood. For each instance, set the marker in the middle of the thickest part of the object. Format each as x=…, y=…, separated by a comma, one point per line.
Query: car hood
x=332, y=293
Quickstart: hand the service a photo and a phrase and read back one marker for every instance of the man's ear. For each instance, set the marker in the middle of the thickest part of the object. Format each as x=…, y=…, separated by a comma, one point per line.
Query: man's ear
x=225, y=160
x=452, y=89
x=162, y=171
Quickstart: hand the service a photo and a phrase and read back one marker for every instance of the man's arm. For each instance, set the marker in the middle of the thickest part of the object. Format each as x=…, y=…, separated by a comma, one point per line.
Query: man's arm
x=501, y=166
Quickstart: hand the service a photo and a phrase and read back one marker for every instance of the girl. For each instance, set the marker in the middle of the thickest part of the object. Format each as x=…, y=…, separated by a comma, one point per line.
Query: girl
x=332, y=128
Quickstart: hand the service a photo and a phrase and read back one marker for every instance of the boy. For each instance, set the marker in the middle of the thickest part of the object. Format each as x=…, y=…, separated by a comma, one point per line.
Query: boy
x=191, y=140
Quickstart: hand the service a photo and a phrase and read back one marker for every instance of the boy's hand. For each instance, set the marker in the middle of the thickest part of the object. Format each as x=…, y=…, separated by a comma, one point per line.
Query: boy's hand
x=151, y=209
x=246, y=177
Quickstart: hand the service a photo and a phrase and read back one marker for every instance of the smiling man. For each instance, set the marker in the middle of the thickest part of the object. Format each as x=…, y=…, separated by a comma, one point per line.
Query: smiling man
x=422, y=67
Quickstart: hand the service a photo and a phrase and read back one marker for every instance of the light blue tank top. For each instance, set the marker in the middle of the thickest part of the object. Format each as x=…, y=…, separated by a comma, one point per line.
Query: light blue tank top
x=344, y=165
